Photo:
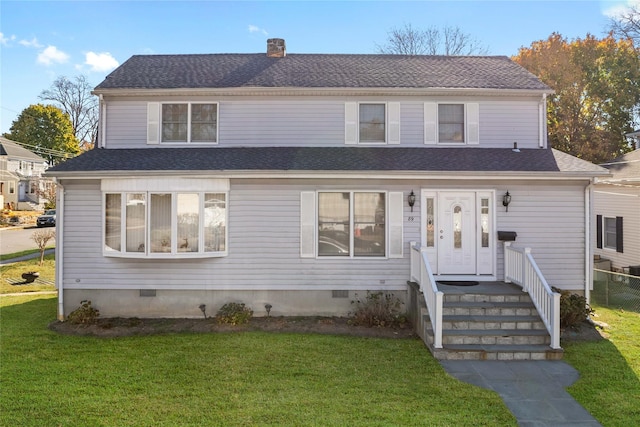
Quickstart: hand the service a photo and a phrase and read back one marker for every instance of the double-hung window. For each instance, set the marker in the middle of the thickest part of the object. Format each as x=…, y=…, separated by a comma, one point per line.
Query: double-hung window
x=189, y=122
x=372, y=119
x=451, y=123
x=372, y=122
x=188, y=222
x=609, y=233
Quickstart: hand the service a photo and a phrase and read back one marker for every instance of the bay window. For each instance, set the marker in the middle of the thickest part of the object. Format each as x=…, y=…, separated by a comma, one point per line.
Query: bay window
x=179, y=220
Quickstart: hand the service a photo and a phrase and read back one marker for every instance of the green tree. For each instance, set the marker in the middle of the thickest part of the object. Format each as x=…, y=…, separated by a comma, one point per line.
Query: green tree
x=45, y=130
x=597, y=92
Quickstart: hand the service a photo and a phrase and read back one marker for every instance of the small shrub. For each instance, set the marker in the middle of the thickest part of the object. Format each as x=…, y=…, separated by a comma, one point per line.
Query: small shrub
x=378, y=309
x=573, y=309
x=84, y=315
x=234, y=313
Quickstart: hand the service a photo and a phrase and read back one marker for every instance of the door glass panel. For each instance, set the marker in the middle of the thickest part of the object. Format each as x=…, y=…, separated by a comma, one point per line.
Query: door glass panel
x=457, y=227
x=430, y=224
x=484, y=222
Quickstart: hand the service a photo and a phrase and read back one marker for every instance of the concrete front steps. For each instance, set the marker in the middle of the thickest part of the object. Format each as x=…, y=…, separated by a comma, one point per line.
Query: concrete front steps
x=489, y=323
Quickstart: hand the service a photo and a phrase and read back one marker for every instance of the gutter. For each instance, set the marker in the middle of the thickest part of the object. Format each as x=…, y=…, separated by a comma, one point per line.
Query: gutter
x=59, y=252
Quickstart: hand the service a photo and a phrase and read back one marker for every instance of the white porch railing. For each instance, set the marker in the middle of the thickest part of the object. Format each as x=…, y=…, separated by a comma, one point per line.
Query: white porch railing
x=422, y=275
x=521, y=269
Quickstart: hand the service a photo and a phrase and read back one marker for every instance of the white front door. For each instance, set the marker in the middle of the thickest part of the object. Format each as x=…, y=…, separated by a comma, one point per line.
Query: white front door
x=458, y=232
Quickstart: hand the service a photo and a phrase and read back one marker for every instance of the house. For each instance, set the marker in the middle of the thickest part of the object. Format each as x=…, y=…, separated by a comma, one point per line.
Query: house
x=617, y=213
x=21, y=182
x=301, y=180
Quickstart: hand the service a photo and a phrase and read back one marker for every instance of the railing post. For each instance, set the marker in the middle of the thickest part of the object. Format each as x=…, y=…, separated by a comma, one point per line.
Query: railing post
x=525, y=278
x=555, y=321
x=507, y=262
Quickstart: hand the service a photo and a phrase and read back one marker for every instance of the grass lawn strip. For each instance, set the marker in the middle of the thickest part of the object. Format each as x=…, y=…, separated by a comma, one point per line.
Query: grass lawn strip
x=13, y=273
x=251, y=378
x=609, y=384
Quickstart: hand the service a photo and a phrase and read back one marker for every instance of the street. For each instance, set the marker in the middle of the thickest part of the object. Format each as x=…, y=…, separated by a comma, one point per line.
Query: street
x=19, y=239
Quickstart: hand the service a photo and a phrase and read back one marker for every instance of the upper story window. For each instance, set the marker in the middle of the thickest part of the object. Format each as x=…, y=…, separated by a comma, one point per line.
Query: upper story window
x=189, y=122
x=451, y=123
x=609, y=233
x=372, y=123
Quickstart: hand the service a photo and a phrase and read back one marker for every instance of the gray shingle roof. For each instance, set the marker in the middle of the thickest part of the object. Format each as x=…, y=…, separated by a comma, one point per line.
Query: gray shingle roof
x=325, y=159
x=15, y=151
x=320, y=71
x=626, y=167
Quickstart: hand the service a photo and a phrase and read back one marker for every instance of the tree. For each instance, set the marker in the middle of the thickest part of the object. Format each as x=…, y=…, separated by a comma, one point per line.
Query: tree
x=626, y=23
x=75, y=99
x=45, y=130
x=42, y=237
x=597, y=92
x=450, y=41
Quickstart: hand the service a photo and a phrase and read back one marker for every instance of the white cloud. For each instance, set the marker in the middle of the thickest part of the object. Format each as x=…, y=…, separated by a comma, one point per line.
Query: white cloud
x=100, y=62
x=615, y=9
x=51, y=54
x=31, y=43
x=254, y=29
x=5, y=40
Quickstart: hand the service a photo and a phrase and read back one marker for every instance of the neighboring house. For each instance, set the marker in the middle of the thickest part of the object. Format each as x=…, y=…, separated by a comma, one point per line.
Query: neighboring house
x=284, y=179
x=617, y=213
x=20, y=177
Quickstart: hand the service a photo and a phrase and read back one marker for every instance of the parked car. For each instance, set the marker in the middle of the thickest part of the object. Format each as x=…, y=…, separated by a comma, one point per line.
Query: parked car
x=48, y=219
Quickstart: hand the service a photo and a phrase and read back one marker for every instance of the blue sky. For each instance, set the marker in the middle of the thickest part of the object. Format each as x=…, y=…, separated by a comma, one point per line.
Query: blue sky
x=42, y=40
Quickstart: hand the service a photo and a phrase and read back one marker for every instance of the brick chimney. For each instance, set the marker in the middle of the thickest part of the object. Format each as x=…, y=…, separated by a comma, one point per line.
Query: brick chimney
x=276, y=48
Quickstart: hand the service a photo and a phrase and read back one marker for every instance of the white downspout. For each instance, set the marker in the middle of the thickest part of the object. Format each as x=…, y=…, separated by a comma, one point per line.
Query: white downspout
x=588, y=211
x=103, y=120
x=59, y=244
x=542, y=109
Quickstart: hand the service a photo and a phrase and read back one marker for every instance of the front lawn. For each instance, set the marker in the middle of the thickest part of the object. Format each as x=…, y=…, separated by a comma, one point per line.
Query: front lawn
x=12, y=273
x=226, y=379
x=609, y=384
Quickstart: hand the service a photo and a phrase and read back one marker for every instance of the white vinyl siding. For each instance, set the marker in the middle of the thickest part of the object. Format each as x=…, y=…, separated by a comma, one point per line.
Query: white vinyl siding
x=617, y=201
x=322, y=122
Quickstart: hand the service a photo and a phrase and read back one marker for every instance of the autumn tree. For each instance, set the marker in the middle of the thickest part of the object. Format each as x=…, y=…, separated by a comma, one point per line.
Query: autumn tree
x=74, y=98
x=45, y=130
x=597, y=92
x=450, y=41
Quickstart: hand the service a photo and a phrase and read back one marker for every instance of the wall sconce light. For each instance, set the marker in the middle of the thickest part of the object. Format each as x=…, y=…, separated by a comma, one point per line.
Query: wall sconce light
x=506, y=199
x=411, y=200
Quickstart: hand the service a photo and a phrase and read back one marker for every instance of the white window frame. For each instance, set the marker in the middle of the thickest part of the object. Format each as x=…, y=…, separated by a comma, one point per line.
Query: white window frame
x=391, y=123
x=351, y=224
x=471, y=112
x=189, y=123
x=604, y=233
x=386, y=123
x=163, y=185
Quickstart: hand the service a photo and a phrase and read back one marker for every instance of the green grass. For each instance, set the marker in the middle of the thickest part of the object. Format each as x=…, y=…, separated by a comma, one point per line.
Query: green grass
x=609, y=384
x=14, y=271
x=224, y=379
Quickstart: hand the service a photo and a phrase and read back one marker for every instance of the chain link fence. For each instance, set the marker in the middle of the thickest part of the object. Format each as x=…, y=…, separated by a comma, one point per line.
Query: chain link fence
x=616, y=290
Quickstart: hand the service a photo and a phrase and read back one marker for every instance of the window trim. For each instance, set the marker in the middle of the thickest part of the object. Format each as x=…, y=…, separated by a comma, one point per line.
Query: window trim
x=386, y=123
x=465, y=136
x=617, y=236
x=189, y=123
x=471, y=117
x=352, y=255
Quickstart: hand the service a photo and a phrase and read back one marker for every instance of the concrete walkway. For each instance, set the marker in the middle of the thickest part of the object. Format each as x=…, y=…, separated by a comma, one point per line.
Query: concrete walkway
x=534, y=391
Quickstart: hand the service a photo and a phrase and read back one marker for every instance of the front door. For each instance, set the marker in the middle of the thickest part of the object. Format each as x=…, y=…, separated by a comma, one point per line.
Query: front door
x=457, y=227
x=456, y=233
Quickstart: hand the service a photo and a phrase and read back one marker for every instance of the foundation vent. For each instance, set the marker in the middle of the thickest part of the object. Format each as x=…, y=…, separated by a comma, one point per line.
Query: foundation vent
x=147, y=292
x=339, y=294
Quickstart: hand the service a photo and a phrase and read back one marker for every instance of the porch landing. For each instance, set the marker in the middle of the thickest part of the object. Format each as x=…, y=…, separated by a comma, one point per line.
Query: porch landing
x=488, y=321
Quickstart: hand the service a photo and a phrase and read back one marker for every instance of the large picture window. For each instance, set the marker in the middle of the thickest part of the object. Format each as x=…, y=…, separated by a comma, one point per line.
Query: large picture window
x=189, y=122
x=351, y=224
x=154, y=224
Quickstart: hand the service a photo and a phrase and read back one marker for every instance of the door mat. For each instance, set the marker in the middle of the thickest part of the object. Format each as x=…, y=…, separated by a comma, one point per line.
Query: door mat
x=458, y=283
